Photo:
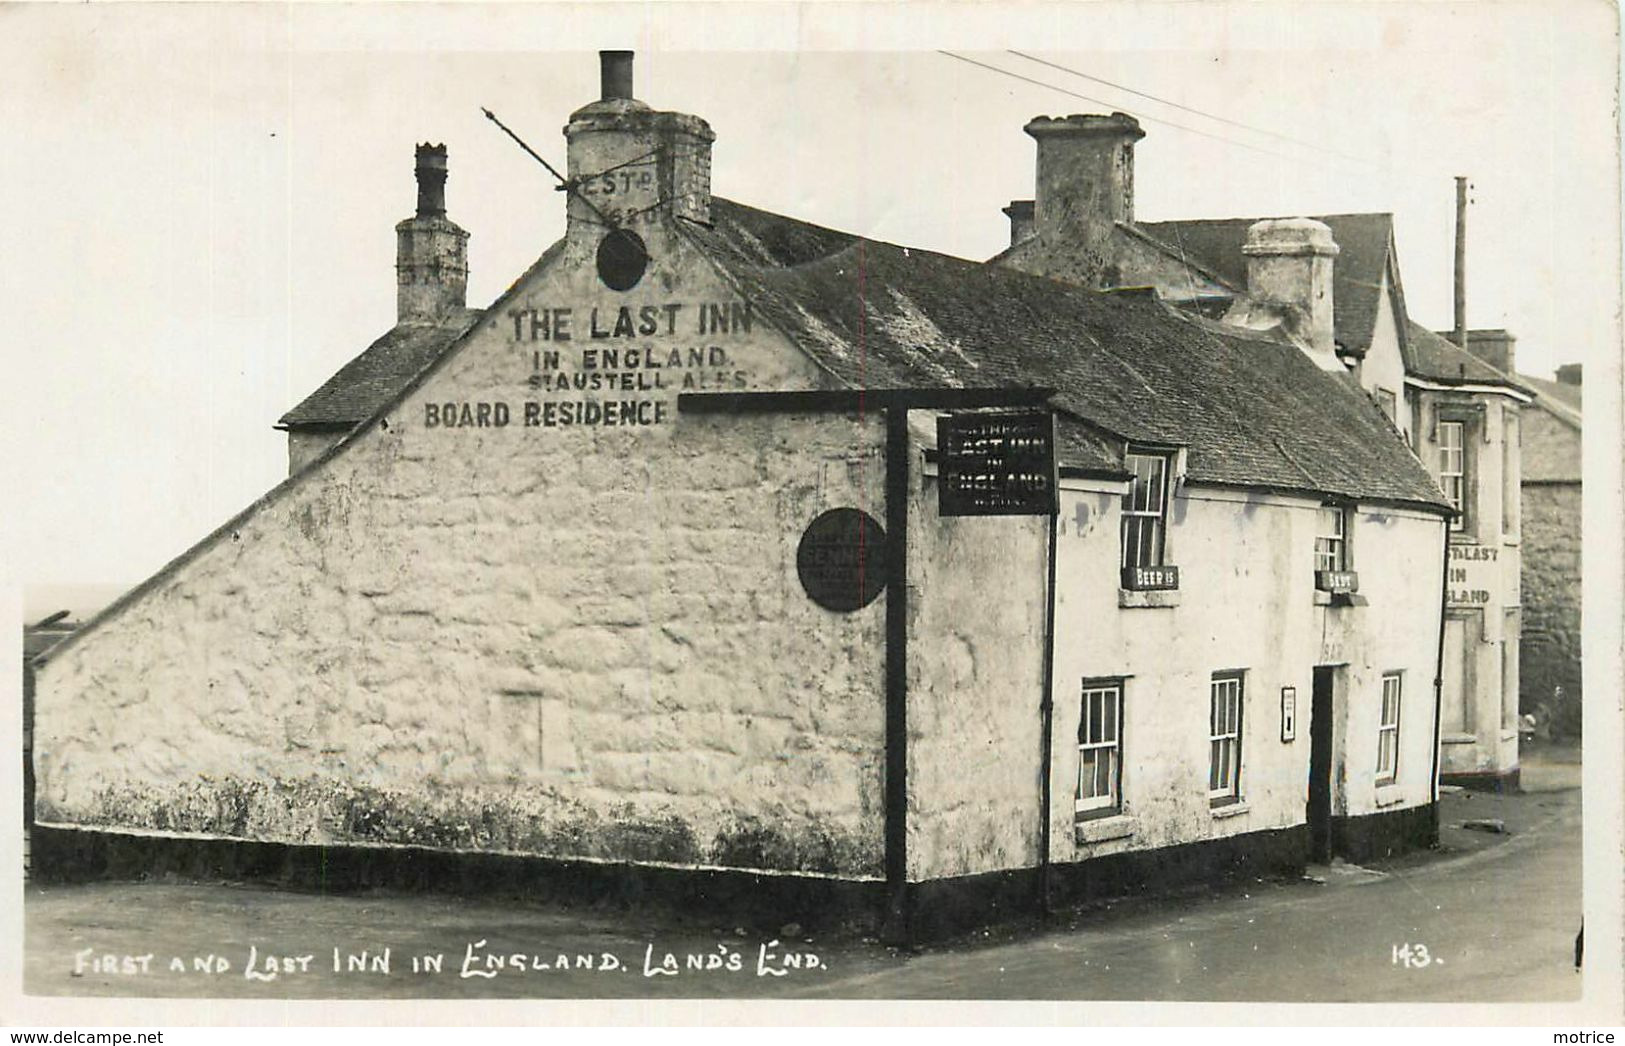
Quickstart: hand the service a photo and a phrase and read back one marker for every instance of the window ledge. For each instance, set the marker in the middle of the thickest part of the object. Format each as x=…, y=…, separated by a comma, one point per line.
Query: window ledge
x=1389, y=795
x=1127, y=598
x=1100, y=829
x=1459, y=739
x=1233, y=809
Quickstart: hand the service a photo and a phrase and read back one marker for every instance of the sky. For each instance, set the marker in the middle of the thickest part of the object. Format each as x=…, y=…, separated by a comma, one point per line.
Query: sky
x=202, y=198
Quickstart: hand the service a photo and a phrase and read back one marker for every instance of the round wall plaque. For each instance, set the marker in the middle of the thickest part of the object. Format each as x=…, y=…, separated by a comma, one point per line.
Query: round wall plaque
x=622, y=259
x=842, y=559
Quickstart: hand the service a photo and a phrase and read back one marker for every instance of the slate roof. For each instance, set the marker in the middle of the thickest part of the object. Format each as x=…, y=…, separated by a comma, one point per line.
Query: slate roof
x=365, y=383
x=1437, y=358
x=1363, y=242
x=1562, y=400
x=1254, y=411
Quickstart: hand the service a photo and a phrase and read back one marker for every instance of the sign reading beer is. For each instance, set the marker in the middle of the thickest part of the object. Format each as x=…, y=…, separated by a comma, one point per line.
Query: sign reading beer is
x=997, y=464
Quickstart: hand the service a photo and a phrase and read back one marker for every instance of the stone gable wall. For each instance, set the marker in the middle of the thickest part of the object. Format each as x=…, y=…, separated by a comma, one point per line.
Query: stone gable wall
x=576, y=641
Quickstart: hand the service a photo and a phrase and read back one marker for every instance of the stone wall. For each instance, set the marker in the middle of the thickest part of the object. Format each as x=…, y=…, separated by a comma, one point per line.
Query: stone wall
x=1398, y=555
x=1246, y=602
x=487, y=634
x=306, y=446
x=1551, y=605
x=976, y=651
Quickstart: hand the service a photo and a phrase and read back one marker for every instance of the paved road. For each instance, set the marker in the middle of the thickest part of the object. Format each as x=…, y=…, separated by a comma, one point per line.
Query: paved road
x=1496, y=916
x=1497, y=922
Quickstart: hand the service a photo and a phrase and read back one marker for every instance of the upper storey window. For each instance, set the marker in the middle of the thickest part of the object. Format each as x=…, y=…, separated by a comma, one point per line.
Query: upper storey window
x=1453, y=468
x=1145, y=522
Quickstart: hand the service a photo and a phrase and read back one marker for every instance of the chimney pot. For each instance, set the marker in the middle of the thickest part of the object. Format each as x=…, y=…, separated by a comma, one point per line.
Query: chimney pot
x=1020, y=213
x=615, y=74
x=670, y=153
x=431, y=252
x=431, y=174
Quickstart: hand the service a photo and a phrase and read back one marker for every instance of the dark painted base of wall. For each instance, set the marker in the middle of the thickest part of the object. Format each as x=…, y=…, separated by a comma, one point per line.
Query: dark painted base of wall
x=946, y=908
x=1251, y=855
x=932, y=911
x=1385, y=834
x=760, y=902
x=941, y=909
x=1486, y=781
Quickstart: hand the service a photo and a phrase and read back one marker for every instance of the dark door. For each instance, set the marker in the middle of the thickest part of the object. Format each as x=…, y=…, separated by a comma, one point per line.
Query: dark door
x=1319, y=812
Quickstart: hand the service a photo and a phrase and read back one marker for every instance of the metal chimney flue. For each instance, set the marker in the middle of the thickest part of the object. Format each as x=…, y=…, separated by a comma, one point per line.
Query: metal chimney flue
x=615, y=74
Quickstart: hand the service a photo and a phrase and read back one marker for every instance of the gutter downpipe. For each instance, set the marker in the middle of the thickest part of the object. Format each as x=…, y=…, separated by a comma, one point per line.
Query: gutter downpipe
x=1438, y=682
x=1047, y=717
x=897, y=923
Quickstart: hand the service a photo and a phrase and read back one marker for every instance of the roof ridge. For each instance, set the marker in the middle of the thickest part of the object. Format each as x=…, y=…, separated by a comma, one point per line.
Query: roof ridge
x=1447, y=347
x=1178, y=252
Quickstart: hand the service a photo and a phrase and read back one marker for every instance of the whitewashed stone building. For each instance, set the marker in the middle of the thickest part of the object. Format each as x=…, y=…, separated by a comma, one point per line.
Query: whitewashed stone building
x=552, y=594
x=1331, y=285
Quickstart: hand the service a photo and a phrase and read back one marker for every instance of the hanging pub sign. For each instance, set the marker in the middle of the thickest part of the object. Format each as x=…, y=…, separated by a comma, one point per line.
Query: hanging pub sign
x=997, y=464
x=842, y=559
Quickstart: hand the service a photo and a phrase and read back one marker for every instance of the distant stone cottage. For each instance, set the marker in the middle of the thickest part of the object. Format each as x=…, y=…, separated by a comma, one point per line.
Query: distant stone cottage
x=1552, y=686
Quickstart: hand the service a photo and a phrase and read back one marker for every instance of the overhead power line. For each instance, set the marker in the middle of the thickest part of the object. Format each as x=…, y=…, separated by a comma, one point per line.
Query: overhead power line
x=1141, y=116
x=1186, y=108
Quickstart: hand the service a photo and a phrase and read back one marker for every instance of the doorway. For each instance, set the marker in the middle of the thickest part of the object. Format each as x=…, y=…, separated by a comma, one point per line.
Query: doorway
x=1319, y=810
x=1463, y=631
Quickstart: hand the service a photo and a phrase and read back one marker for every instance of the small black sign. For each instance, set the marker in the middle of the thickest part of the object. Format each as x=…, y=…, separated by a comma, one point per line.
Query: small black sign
x=842, y=559
x=1151, y=579
x=1337, y=581
x=997, y=465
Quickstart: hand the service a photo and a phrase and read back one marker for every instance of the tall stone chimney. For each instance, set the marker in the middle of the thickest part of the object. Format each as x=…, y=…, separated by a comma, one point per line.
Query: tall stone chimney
x=1495, y=347
x=629, y=164
x=1085, y=186
x=431, y=251
x=1289, y=269
x=1569, y=374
